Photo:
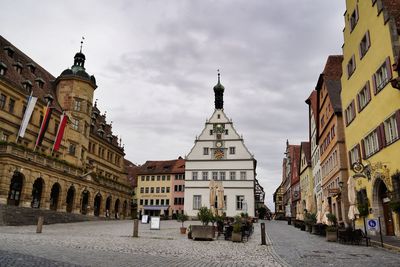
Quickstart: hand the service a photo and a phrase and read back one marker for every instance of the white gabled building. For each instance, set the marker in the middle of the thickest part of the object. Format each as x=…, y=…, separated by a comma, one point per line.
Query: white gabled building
x=220, y=154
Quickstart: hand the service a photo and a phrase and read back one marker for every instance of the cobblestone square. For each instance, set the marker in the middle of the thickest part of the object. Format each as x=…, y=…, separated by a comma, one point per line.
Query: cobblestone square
x=109, y=243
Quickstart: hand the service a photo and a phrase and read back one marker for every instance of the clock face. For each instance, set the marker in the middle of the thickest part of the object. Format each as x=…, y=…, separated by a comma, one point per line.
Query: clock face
x=219, y=154
x=218, y=144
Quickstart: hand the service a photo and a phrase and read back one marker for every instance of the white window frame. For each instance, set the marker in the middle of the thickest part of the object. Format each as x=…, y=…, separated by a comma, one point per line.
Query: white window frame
x=215, y=176
x=243, y=175
x=232, y=175
x=222, y=176
x=206, y=151
x=204, y=176
x=371, y=143
x=239, y=202
x=232, y=150
x=196, y=202
x=391, y=133
x=194, y=176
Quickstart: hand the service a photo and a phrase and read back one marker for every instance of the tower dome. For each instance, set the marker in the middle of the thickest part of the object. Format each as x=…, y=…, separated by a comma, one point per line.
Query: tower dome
x=219, y=94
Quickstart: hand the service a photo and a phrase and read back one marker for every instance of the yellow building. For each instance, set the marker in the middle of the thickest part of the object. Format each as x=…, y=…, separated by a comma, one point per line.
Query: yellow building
x=160, y=187
x=306, y=179
x=86, y=174
x=371, y=107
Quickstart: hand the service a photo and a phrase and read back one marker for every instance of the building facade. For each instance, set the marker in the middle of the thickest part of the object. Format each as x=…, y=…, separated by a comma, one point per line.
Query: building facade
x=279, y=205
x=371, y=107
x=306, y=180
x=220, y=157
x=85, y=174
x=156, y=184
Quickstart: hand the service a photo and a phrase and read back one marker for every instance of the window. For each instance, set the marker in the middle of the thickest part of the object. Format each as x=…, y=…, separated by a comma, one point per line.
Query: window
x=351, y=66
x=163, y=177
x=194, y=175
x=205, y=150
x=18, y=68
x=350, y=113
x=168, y=190
x=196, y=202
x=222, y=176
x=232, y=175
x=146, y=202
x=72, y=149
x=215, y=176
x=141, y=202
x=142, y=178
x=371, y=144
x=167, y=202
x=153, y=178
x=232, y=150
x=147, y=190
x=151, y=202
x=226, y=132
x=3, y=68
x=354, y=155
x=142, y=190
x=205, y=175
x=151, y=190
x=157, y=201
x=147, y=178
x=382, y=76
x=391, y=129
x=75, y=124
x=162, y=202
x=39, y=82
x=3, y=99
x=4, y=137
x=157, y=190
x=162, y=189
x=363, y=97
x=77, y=105
x=219, y=116
x=242, y=175
x=211, y=132
x=158, y=177
x=364, y=45
x=354, y=19
x=239, y=202
x=168, y=177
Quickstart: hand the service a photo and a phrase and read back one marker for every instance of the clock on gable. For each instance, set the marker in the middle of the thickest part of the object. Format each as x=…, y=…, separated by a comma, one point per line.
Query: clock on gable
x=218, y=154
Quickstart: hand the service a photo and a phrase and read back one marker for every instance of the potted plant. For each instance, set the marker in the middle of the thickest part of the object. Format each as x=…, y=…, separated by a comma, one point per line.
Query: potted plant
x=310, y=219
x=203, y=231
x=237, y=229
x=395, y=206
x=331, y=230
x=182, y=217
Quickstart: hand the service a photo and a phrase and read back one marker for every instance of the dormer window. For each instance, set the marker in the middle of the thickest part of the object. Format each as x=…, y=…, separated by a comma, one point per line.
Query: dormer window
x=27, y=85
x=110, y=138
x=100, y=132
x=354, y=19
x=31, y=67
x=9, y=50
x=18, y=67
x=39, y=82
x=3, y=69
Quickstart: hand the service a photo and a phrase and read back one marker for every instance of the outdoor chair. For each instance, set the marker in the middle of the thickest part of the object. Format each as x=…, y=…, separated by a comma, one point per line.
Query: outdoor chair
x=359, y=235
x=228, y=232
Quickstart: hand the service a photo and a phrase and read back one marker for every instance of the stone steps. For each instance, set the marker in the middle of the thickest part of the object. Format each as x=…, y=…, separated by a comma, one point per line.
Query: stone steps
x=12, y=215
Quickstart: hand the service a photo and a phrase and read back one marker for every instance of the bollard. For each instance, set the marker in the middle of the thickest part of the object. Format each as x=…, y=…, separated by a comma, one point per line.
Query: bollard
x=135, y=227
x=39, y=225
x=263, y=242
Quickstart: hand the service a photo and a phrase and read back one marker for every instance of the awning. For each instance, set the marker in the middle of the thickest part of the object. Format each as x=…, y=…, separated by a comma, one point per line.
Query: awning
x=156, y=207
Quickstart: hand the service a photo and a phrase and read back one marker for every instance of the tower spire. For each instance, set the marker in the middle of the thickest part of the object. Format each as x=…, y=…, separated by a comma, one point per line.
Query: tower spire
x=219, y=93
x=83, y=38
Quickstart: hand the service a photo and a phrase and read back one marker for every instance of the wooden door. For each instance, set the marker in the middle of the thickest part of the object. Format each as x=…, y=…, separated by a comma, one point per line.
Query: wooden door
x=387, y=213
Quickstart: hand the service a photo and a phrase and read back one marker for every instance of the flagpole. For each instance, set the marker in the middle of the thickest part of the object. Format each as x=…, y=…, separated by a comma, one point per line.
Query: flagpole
x=23, y=117
x=40, y=129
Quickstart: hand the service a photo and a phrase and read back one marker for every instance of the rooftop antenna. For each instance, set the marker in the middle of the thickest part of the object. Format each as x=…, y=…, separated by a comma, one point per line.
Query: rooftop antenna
x=83, y=38
x=218, y=75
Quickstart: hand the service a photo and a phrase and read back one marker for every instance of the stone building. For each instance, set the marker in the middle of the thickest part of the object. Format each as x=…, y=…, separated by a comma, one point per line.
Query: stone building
x=306, y=180
x=220, y=160
x=86, y=173
x=160, y=187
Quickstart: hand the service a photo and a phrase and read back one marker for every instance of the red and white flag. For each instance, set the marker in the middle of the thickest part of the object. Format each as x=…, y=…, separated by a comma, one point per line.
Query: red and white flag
x=45, y=124
x=27, y=116
x=60, y=131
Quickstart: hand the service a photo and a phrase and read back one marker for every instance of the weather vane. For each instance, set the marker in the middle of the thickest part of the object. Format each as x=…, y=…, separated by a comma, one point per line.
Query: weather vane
x=83, y=38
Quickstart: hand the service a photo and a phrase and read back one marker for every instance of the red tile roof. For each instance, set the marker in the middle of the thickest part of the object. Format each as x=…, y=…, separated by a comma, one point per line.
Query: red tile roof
x=393, y=9
x=176, y=166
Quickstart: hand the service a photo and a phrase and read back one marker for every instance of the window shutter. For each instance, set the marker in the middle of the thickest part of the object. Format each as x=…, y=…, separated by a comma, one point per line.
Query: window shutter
x=398, y=122
x=358, y=102
x=388, y=68
x=353, y=58
x=368, y=91
x=374, y=83
x=353, y=107
x=356, y=13
x=360, y=50
x=345, y=116
x=359, y=152
x=350, y=162
x=380, y=131
x=363, y=148
x=368, y=40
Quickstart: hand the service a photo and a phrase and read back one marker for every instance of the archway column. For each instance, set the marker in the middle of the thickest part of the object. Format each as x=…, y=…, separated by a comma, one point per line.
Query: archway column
x=77, y=200
x=27, y=186
x=90, y=210
x=62, y=197
x=6, y=174
x=46, y=191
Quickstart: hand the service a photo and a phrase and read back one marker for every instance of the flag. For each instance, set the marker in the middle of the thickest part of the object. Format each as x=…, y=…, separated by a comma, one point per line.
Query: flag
x=60, y=131
x=27, y=116
x=45, y=124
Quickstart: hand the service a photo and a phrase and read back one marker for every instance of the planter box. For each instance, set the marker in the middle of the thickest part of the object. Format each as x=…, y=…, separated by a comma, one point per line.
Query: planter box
x=308, y=228
x=314, y=229
x=331, y=236
x=203, y=232
x=237, y=237
x=183, y=230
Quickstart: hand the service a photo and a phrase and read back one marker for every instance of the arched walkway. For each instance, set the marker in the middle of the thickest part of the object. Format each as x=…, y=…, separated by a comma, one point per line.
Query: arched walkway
x=54, y=196
x=124, y=209
x=14, y=194
x=70, y=199
x=97, y=204
x=37, y=191
x=108, y=206
x=116, y=209
x=381, y=206
x=85, y=202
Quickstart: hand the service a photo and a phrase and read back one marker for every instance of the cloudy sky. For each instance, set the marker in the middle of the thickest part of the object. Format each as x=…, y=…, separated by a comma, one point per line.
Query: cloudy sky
x=156, y=63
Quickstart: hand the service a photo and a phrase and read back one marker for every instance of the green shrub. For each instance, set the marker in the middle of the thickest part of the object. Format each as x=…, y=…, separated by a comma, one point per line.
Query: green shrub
x=182, y=217
x=205, y=215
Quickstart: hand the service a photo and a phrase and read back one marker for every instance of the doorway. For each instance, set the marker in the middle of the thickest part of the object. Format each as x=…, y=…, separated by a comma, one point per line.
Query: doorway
x=54, y=196
x=37, y=193
x=97, y=204
x=14, y=194
x=70, y=199
x=85, y=202
x=381, y=205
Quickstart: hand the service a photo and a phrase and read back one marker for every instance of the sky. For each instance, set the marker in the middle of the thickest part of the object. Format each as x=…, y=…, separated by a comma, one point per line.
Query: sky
x=156, y=61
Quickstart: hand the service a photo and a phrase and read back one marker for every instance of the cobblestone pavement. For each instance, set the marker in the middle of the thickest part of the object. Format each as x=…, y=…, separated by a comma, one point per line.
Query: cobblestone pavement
x=299, y=248
x=109, y=243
